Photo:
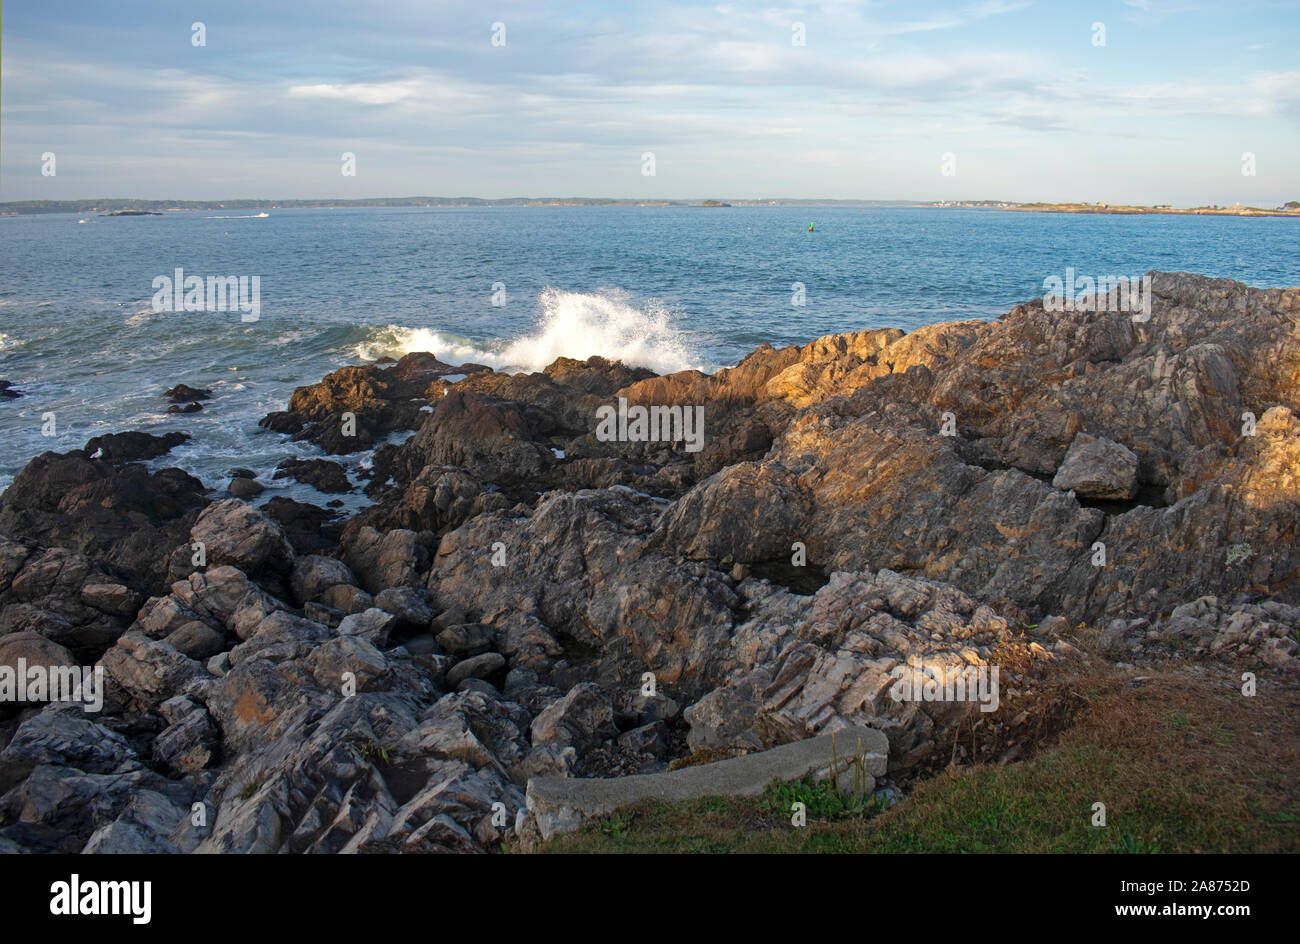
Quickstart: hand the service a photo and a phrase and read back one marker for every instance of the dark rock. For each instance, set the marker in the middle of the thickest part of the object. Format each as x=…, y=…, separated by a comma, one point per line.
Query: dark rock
x=245, y=488
x=311, y=530
x=133, y=446
x=131, y=516
x=183, y=393
x=480, y=666
x=321, y=474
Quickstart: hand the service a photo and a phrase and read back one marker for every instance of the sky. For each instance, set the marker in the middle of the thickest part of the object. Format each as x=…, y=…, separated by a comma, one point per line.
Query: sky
x=999, y=99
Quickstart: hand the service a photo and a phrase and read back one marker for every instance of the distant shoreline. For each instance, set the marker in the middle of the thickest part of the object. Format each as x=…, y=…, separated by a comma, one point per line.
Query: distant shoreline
x=133, y=207
x=1117, y=209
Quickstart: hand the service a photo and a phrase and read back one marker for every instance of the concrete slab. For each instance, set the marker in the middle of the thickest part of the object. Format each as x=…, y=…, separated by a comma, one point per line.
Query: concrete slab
x=562, y=804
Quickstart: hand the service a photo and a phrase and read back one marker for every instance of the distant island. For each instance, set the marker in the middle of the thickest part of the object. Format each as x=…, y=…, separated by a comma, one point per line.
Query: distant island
x=1291, y=208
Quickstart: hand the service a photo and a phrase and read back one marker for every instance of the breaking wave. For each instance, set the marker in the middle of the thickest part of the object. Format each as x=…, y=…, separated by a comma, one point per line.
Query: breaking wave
x=571, y=324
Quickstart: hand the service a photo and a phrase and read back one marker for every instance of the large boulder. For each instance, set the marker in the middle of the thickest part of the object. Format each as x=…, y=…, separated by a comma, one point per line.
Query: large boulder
x=1098, y=468
x=235, y=533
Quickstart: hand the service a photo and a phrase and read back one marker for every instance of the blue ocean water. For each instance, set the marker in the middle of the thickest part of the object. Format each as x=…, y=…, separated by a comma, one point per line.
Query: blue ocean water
x=665, y=287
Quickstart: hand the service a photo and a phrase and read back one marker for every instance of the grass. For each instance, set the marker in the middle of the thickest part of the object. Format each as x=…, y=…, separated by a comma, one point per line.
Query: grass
x=1183, y=763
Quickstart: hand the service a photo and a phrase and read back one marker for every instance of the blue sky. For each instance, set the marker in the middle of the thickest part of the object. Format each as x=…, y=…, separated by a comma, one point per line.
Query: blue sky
x=1017, y=92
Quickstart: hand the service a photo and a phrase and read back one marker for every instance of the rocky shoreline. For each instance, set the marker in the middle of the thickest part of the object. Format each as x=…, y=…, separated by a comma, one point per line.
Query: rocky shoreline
x=527, y=599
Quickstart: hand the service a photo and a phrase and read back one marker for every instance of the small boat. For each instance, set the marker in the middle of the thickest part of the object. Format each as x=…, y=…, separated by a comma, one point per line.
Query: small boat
x=261, y=215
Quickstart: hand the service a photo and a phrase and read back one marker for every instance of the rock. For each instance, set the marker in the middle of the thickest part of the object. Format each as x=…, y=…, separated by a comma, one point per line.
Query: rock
x=652, y=708
x=34, y=650
x=372, y=625
x=347, y=598
x=348, y=653
x=480, y=666
x=121, y=513
x=190, y=742
x=197, y=640
x=477, y=685
x=325, y=615
x=490, y=439
x=64, y=736
x=467, y=639
x=313, y=574
x=311, y=530
x=1050, y=627
x=237, y=534
x=647, y=739
x=187, y=408
x=182, y=393
x=829, y=539
x=321, y=474
x=379, y=401
x=133, y=446
x=245, y=488
x=8, y=391
x=149, y=671
x=395, y=559
x=581, y=720
x=409, y=605
x=80, y=603
x=1098, y=468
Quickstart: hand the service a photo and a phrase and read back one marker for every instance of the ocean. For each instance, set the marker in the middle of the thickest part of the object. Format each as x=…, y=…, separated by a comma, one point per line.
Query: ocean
x=513, y=287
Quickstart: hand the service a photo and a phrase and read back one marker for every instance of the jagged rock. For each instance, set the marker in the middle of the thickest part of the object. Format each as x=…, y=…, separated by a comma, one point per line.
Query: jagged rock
x=395, y=559
x=378, y=400
x=331, y=661
x=347, y=598
x=581, y=720
x=197, y=640
x=467, y=639
x=133, y=446
x=237, y=534
x=121, y=513
x=567, y=568
x=323, y=475
x=190, y=742
x=80, y=603
x=373, y=625
x=313, y=574
x=1098, y=468
x=183, y=393
x=64, y=736
x=34, y=650
x=311, y=530
x=149, y=671
x=409, y=605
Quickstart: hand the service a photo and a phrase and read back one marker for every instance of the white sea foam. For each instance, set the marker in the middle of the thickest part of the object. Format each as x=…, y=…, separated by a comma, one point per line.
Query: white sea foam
x=396, y=340
x=572, y=324
x=581, y=325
